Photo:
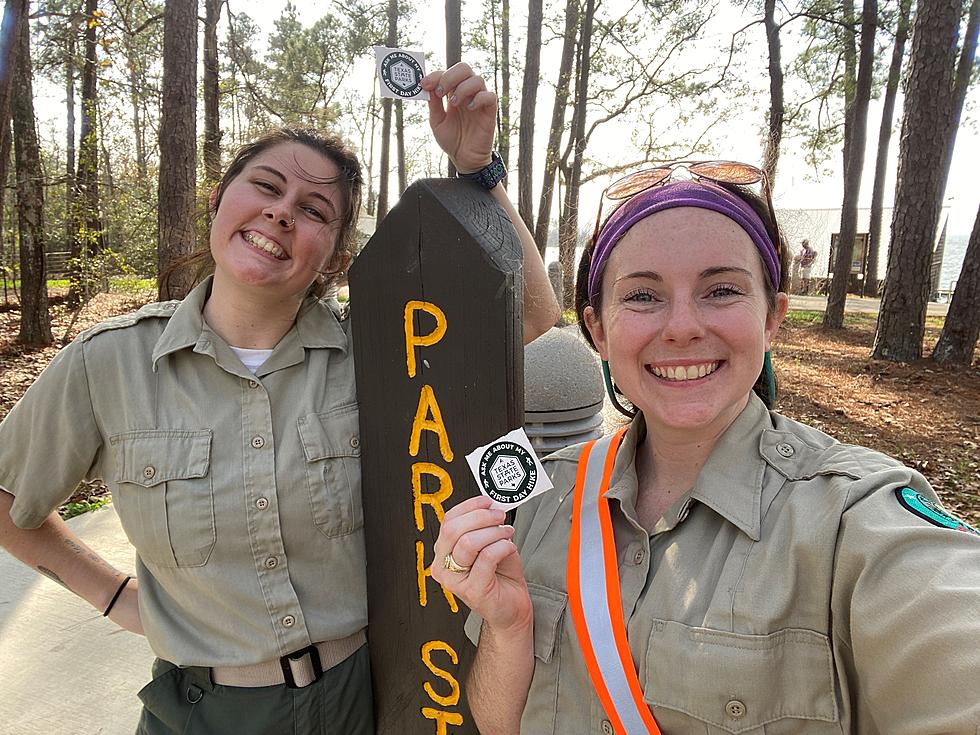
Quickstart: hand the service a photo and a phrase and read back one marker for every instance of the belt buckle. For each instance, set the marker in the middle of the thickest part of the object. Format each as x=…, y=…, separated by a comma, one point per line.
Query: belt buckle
x=287, y=670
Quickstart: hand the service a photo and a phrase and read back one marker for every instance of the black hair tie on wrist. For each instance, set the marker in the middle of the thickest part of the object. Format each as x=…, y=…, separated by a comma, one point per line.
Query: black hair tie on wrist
x=116, y=596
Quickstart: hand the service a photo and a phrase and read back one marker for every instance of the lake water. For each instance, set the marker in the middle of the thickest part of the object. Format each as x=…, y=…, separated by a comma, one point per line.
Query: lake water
x=953, y=257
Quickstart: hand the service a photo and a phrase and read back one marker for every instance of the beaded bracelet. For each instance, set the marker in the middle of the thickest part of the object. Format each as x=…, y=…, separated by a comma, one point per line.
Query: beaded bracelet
x=116, y=596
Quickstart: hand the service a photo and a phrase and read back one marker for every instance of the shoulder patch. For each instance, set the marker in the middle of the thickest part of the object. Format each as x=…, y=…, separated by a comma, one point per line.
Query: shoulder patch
x=158, y=309
x=931, y=511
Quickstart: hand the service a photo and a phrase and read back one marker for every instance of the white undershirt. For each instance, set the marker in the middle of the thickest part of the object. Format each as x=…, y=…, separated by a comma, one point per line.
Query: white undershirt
x=252, y=359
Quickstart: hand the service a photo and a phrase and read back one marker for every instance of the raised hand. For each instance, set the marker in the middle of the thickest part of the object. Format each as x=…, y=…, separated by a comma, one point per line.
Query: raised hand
x=492, y=584
x=462, y=115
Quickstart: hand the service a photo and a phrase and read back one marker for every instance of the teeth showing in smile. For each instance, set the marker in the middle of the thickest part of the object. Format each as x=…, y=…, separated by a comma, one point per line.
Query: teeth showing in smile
x=680, y=373
x=263, y=244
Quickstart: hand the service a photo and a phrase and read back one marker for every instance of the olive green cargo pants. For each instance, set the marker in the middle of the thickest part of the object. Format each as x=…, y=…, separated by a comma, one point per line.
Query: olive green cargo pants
x=185, y=702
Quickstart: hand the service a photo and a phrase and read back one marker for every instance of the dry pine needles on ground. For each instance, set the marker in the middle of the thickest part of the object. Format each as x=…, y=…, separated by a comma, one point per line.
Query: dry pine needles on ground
x=926, y=415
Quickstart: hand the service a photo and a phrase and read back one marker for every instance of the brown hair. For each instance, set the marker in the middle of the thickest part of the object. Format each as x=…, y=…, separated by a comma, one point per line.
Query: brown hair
x=350, y=182
x=760, y=207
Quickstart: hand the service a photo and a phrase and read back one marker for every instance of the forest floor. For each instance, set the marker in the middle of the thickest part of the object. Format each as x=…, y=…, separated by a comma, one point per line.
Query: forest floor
x=924, y=414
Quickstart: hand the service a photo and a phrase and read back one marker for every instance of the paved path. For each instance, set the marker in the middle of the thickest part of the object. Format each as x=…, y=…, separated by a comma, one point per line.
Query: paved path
x=65, y=669
x=856, y=304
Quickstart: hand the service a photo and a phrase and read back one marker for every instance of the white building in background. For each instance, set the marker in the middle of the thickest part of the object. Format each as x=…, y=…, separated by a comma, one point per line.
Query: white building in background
x=821, y=227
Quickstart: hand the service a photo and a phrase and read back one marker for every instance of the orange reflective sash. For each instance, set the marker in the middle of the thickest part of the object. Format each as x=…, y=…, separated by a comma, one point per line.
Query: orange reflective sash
x=593, y=591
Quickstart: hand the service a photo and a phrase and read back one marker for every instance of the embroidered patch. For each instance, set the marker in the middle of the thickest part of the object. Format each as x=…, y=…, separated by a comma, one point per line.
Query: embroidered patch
x=931, y=511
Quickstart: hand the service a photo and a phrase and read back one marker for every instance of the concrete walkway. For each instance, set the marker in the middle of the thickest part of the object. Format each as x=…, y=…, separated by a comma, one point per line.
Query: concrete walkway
x=856, y=304
x=66, y=670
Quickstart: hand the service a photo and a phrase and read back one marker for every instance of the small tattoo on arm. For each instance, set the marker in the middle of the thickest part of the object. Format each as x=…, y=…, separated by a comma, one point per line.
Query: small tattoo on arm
x=52, y=576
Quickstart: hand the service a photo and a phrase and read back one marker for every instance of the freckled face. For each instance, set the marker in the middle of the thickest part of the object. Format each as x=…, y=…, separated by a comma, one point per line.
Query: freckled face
x=684, y=322
x=276, y=226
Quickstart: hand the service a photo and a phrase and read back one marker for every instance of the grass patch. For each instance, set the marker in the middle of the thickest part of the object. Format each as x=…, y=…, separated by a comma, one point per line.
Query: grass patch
x=118, y=284
x=804, y=317
x=70, y=510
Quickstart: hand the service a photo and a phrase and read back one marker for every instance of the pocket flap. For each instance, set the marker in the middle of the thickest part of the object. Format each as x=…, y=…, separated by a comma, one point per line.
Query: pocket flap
x=150, y=457
x=549, y=605
x=739, y=682
x=330, y=434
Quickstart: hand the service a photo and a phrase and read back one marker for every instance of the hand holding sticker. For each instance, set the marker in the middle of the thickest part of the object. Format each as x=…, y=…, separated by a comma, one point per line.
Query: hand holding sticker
x=400, y=72
x=508, y=471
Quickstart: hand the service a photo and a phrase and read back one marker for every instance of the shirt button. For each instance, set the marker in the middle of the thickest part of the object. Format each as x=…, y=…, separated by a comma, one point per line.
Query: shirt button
x=262, y=503
x=253, y=384
x=607, y=727
x=149, y=471
x=355, y=442
x=258, y=442
x=785, y=449
x=271, y=562
x=735, y=709
x=288, y=621
x=639, y=556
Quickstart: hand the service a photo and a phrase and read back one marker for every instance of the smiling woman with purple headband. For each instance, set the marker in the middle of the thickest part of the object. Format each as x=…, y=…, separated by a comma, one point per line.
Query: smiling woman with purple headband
x=714, y=567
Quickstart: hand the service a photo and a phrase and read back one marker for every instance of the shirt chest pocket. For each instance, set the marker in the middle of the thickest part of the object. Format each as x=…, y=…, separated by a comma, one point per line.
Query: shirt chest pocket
x=333, y=469
x=163, y=494
x=541, y=710
x=734, y=683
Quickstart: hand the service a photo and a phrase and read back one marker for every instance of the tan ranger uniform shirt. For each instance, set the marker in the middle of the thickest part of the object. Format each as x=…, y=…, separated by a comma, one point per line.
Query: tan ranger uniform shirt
x=240, y=492
x=787, y=592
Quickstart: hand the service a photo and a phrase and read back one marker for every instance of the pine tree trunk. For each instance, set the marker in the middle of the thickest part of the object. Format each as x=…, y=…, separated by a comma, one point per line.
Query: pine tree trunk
x=71, y=188
x=918, y=197
x=386, y=121
x=541, y=231
x=454, y=51
x=35, y=321
x=884, y=141
x=13, y=15
x=385, y=163
x=89, y=230
x=503, y=136
x=529, y=101
x=369, y=173
x=857, y=121
x=212, y=127
x=961, y=329
x=568, y=226
x=178, y=139
x=770, y=158
x=400, y=146
x=964, y=71
x=850, y=74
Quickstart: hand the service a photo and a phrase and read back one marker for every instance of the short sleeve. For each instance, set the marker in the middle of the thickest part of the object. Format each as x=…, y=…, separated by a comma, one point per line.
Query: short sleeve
x=50, y=440
x=905, y=608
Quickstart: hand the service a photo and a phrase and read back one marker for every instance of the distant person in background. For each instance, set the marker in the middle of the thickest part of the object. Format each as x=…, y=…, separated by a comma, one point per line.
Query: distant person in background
x=806, y=258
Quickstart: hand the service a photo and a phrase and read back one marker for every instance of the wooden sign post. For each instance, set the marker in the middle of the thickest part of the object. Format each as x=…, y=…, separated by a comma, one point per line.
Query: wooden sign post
x=436, y=315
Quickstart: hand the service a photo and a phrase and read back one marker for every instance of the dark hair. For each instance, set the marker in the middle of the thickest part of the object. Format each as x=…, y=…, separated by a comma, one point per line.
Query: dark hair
x=758, y=204
x=350, y=183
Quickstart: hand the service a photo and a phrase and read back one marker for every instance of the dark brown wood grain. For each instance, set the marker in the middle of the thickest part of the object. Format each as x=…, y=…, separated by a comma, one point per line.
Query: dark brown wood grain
x=447, y=243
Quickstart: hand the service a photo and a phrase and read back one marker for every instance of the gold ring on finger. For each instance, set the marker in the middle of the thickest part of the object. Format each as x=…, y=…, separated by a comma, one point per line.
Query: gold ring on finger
x=453, y=566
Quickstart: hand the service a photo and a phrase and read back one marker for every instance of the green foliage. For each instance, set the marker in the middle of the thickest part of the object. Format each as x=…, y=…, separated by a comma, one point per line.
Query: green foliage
x=70, y=510
x=298, y=80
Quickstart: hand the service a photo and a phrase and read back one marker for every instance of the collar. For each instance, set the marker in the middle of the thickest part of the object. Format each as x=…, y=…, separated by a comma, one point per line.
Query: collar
x=730, y=483
x=317, y=326
x=731, y=480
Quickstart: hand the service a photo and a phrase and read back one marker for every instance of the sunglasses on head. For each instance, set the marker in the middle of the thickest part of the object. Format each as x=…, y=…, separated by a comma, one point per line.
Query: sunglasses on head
x=721, y=172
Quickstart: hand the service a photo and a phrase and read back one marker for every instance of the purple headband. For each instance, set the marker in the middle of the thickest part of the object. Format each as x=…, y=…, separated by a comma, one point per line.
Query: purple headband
x=701, y=194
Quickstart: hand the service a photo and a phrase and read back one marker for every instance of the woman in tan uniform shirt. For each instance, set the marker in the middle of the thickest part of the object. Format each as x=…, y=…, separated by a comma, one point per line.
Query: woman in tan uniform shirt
x=226, y=427
x=728, y=570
